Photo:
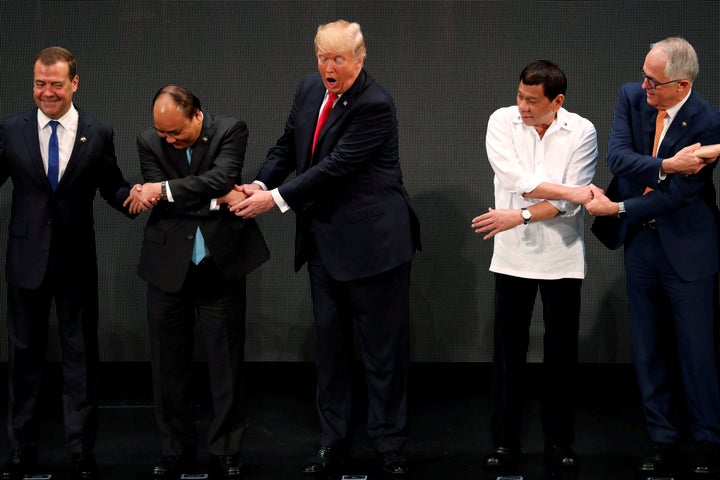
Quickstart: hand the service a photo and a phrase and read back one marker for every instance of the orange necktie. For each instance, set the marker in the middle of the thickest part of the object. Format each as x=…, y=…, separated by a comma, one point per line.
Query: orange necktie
x=323, y=116
x=659, y=125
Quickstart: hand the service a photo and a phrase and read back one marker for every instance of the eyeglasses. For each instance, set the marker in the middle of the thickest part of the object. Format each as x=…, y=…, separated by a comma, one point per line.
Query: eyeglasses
x=654, y=84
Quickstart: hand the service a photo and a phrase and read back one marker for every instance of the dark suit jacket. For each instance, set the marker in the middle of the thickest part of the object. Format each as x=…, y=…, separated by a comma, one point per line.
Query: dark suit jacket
x=63, y=218
x=350, y=193
x=235, y=244
x=684, y=208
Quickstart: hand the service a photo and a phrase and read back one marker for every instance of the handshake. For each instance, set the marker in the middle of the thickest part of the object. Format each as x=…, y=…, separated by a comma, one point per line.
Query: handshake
x=247, y=201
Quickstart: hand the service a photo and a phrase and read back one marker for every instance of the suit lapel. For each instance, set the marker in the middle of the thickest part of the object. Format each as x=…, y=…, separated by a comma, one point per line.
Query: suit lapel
x=649, y=116
x=341, y=107
x=30, y=133
x=200, y=146
x=678, y=127
x=178, y=160
x=84, y=133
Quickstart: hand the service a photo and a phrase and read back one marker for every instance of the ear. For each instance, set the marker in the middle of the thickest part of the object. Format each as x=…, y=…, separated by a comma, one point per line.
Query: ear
x=558, y=101
x=683, y=85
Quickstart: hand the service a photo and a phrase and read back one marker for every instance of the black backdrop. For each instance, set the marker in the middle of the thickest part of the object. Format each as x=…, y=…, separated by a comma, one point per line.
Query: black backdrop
x=448, y=65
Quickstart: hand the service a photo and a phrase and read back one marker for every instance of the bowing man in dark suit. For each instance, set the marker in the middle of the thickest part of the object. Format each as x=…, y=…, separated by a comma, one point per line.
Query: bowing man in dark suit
x=668, y=203
x=57, y=158
x=195, y=256
x=357, y=233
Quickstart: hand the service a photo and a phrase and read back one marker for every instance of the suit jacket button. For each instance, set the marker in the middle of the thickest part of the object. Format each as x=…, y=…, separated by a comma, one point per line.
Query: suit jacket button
x=191, y=236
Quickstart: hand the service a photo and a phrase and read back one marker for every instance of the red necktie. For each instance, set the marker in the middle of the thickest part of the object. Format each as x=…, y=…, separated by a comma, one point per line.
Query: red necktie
x=323, y=116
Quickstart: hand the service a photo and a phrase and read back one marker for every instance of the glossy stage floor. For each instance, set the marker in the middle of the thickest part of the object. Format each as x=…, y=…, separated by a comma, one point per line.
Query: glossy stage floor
x=449, y=424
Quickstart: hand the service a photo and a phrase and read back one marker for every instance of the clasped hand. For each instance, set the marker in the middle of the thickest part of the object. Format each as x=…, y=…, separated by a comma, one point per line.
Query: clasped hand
x=257, y=201
x=142, y=197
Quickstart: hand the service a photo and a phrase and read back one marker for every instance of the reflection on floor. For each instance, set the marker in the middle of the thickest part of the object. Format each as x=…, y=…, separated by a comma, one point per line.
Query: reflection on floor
x=449, y=423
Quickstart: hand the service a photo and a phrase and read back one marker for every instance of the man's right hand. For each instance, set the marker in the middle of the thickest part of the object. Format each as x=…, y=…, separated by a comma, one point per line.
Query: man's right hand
x=685, y=162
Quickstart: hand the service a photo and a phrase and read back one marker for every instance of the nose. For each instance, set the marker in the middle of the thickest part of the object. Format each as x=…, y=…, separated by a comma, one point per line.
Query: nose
x=646, y=84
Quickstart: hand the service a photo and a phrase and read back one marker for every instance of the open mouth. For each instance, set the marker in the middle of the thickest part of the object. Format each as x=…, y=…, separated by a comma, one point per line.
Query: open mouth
x=331, y=81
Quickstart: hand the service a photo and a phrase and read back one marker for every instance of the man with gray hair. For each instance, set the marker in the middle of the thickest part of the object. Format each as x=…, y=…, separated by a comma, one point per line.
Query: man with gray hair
x=668, y=214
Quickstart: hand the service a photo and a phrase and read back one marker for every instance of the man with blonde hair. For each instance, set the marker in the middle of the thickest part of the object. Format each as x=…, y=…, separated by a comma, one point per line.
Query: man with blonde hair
x=357, y=233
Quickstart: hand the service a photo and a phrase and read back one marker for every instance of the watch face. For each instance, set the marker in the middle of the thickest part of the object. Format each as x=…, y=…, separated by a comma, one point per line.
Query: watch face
x=526, y=214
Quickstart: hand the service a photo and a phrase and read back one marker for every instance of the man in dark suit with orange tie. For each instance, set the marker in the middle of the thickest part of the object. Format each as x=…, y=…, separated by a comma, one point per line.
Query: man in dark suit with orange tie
x=669, y=217
x=357, y=233
x=195, y=256
x=57, y=157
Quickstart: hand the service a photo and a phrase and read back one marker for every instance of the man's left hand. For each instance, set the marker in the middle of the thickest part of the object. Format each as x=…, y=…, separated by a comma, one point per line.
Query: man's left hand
x=601, y=205
x=496, y=221
x=141, y=199
x=257, y=203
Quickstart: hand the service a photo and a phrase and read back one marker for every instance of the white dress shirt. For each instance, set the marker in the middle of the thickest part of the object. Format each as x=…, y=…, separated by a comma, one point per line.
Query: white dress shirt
x=566, y=155
x=66, y=133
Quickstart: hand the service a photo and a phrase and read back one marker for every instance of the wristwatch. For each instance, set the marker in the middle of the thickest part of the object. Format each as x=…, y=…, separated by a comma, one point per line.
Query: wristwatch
x=526, y=215
x=163, y=190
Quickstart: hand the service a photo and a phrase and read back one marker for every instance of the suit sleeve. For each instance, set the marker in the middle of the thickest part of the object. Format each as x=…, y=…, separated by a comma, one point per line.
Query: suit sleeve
x=220, y=178
x=4, y=171
x=112, y=185
x=364, y=135
x=192, y=193
x=281, y=159
x=623, y=159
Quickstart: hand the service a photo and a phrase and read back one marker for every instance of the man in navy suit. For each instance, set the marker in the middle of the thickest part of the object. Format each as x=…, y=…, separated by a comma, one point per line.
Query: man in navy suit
x=51, y=256
x=357, y=233
x=668, y=208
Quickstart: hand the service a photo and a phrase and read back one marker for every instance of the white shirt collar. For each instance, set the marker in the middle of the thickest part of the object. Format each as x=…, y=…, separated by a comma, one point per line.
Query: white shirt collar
x=672, y=111
x=70, y=117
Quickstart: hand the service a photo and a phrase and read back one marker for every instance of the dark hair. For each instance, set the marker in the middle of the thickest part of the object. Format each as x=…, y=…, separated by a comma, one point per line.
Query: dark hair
x=548, y=74
x=186, y=101
x=51, y=55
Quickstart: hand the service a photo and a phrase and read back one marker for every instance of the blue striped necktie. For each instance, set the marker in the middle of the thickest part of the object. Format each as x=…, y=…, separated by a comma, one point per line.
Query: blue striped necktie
x=199, y=248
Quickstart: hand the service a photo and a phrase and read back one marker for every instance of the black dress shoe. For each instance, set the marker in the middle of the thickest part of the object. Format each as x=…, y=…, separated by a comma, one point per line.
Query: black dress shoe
x=501, y=458
x=325, y=459
x=84, y=466
x=394, y=463
x=226, y=467
x=561, y=457
x=171, y=466
x=705, y=459
x=20, y=463
x=660, y=458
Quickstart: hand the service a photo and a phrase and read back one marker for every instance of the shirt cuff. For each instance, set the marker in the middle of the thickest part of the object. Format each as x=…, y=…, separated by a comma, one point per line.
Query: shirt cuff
x=282, y=205
x=168, y=192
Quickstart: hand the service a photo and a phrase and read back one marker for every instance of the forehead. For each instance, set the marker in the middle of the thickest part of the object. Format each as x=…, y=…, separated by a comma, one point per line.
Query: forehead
x=531, y=91
x=334, y=52
x=56, y=69
x=167, y=116
x=655, y=62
